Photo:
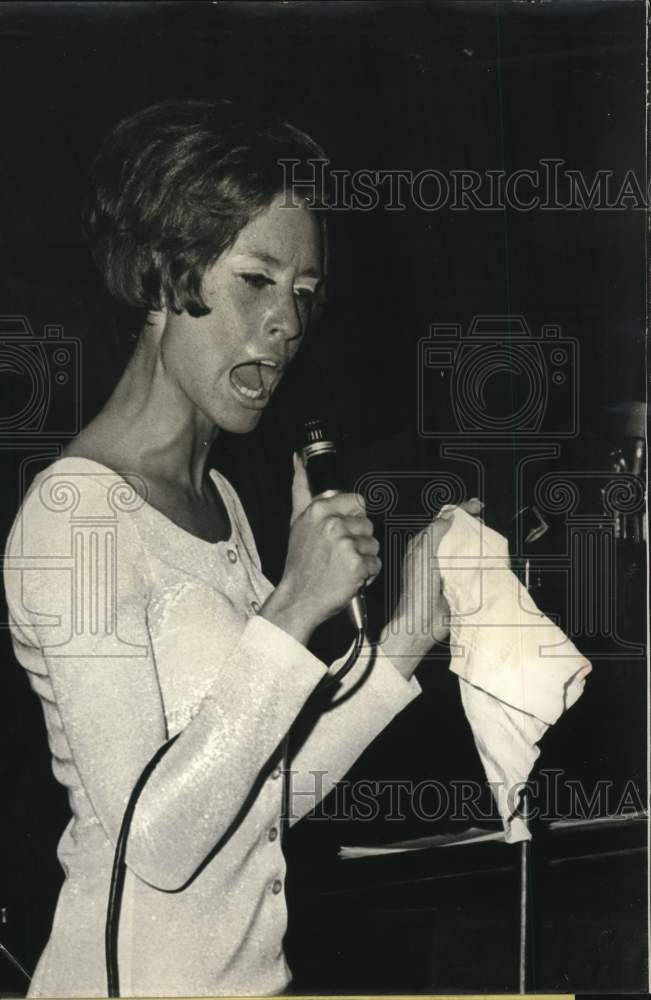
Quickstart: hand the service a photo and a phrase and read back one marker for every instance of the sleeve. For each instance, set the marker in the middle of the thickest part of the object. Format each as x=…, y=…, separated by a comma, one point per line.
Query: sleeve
x=90, y=629
x=371, y=694
x=362, y=705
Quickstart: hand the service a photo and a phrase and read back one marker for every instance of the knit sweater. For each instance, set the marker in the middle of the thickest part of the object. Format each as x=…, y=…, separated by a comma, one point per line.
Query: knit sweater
x=132, y=630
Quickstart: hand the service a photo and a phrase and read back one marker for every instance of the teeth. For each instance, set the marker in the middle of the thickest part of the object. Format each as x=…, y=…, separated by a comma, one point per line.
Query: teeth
x=251, y=393
x=247, y=390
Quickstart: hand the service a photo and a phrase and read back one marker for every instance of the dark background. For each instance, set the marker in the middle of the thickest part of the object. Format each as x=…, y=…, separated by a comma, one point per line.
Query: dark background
x=445, y=85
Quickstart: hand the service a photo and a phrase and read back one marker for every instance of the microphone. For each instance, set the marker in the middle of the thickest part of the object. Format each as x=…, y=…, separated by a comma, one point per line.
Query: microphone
x=324, y=478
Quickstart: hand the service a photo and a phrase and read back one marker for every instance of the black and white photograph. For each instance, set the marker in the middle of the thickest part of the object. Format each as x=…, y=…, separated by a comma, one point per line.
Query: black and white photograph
x=323, y=430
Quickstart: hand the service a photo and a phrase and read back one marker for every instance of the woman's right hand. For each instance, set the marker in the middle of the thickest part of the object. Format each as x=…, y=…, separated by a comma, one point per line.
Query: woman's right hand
x=331, y=554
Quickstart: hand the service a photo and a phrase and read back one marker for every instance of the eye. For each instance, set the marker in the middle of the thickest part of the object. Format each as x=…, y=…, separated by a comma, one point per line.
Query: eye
x=307, y=294
x=256, y=279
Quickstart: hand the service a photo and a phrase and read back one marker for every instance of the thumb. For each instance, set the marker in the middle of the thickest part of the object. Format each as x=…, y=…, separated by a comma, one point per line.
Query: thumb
x=301, y=496
x=439, y=527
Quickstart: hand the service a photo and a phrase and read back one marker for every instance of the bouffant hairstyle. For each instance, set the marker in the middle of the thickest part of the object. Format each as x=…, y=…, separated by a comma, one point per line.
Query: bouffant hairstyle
x=171, y=188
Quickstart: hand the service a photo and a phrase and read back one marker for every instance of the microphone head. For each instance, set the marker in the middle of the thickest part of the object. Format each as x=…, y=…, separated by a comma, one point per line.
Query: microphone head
x=314, y=430
x=316, y=440
x=319, y=454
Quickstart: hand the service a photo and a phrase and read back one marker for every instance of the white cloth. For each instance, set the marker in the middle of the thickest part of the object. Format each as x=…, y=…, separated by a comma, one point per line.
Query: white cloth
x=518, y=672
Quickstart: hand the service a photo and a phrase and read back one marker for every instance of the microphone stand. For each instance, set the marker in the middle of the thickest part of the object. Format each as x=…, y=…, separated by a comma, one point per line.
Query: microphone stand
x=525, y=862
x=14, y=961
x=525, y=850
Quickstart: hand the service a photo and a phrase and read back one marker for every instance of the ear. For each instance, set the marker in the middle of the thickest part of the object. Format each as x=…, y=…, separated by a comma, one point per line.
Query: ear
x=156, y=322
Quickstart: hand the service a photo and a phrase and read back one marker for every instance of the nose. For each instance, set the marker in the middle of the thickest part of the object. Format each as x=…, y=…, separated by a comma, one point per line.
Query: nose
x=285, y=323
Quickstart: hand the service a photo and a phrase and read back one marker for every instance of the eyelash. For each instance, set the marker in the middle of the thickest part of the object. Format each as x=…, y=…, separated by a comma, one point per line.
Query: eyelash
x=260, y=280
x=257, y=280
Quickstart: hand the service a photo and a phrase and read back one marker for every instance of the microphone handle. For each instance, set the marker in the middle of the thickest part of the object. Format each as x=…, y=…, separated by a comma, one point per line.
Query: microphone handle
x=357, y=607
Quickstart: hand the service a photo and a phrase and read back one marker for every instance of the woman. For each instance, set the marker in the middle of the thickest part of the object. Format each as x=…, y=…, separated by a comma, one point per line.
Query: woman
x=144, y=612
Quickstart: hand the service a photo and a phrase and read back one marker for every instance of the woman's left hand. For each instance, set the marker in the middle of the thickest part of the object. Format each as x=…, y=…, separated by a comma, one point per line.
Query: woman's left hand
x=421, y=616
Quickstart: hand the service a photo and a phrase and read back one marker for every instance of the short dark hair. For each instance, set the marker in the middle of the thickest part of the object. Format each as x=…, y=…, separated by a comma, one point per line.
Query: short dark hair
x=171, y=188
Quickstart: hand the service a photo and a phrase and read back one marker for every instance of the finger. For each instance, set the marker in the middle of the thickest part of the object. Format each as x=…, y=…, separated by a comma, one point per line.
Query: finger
x=371, y=568
x=367, y=546
x=473, y=506
x=358, y=525
x=301, y=496
x=439, y=527
x=359, y=555
x=435, y=532
x=343, y=505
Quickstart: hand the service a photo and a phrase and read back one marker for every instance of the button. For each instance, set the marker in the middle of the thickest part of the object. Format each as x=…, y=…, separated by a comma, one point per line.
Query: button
x=276, y=886
x=273, y=833
x=232, y=555
x=276, y=773
x=255, y=606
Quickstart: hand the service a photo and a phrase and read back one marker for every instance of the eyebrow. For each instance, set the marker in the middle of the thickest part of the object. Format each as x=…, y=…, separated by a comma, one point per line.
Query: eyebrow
x=269, y=258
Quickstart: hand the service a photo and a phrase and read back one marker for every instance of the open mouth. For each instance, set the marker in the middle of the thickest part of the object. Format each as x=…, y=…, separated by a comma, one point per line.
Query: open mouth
x=254, y=381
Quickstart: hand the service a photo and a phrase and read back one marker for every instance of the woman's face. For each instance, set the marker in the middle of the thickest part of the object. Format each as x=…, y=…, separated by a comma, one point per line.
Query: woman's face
x=260, y=292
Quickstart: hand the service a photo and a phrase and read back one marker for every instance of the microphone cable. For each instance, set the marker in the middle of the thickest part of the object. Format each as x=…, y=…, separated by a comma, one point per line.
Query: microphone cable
x=118, y=872
x=319, y=455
